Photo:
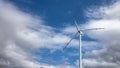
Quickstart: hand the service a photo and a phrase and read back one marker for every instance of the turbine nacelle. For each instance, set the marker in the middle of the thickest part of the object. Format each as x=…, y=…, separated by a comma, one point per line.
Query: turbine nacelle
x=80, y=32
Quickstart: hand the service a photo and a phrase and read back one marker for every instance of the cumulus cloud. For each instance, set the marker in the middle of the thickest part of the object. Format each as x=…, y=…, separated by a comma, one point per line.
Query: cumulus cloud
x=108, y=57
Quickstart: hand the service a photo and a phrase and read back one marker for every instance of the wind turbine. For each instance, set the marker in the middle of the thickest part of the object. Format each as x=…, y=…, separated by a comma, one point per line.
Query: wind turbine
x=80, y=32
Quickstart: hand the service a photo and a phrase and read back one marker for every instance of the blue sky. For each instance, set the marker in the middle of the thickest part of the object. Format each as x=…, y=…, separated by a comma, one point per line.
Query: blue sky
x=41, y=28
x=58, y=13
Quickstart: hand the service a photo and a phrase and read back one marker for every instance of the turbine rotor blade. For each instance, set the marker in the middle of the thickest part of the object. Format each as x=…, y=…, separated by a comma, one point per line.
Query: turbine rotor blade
x=76, y=25
x=70, y=41
x=92, y=29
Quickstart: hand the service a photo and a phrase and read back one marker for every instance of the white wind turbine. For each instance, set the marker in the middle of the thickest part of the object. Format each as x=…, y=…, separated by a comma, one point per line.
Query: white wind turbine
x=80, y=41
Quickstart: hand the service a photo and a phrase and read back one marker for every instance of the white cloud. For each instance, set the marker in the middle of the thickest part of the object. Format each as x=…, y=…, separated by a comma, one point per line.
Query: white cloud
x=109, y=38
x=112, y=12
x=98, y=64
x=111, y=29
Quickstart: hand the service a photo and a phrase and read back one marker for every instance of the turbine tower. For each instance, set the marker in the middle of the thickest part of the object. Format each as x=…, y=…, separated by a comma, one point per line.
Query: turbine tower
x=80, y=32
